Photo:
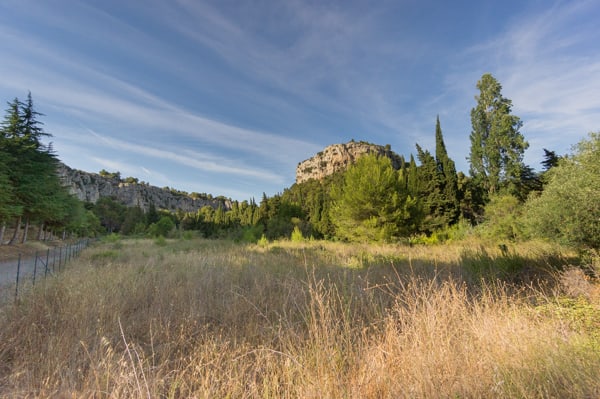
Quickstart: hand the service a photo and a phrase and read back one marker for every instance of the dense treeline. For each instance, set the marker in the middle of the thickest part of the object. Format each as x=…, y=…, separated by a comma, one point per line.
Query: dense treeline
x=424, y=200
x=30, y=189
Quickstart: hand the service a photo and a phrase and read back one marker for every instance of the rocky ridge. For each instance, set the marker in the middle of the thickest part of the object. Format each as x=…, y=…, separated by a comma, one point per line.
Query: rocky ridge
x=338, y=157
x=90, y=187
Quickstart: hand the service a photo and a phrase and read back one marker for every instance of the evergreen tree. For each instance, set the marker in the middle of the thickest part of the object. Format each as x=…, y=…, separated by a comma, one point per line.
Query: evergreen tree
x=550, y=159
x=447, y=169
x=497, y=146
x=369, y=205
x=111, y=213
x=36, y=188
x=430, y=192
x=412, y=181
x=32, y=130
x=8, y=207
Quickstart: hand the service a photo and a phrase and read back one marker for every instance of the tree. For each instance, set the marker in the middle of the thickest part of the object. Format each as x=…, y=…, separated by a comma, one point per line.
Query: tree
x=36, y=188
x=430, y=192
x=568, y=210
x=111, y=213
x=8, y=207
x=550, y=159
x=497, y=146
x=447, y=169
x=163, y=227
x=370, y=205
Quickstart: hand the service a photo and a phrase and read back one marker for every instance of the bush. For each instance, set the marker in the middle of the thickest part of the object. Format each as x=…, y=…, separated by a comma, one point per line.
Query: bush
x=263, y=242
x=161, y=228
x=502, y=218
x=568, y=210
x=297, y=235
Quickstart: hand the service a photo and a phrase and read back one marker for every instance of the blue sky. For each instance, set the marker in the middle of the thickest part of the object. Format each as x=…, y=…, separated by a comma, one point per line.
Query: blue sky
x=226, y=97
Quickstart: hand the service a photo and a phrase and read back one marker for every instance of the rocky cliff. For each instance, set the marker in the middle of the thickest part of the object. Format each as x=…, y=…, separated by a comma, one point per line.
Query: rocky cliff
x=90, y=187
x=338, y=157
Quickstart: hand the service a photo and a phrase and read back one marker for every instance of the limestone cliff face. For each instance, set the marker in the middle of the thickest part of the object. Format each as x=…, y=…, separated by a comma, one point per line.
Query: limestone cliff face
x=90, y=187
x=338, y=157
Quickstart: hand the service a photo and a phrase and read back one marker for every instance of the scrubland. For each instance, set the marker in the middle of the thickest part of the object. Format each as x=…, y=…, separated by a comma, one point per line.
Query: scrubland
x=214, y=319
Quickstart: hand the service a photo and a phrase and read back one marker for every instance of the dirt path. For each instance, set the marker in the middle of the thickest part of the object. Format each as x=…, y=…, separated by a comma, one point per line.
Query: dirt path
x=26, y=268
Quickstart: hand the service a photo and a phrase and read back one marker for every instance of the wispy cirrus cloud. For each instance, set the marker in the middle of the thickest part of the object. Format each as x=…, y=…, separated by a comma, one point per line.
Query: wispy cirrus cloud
x=188, y=158
x=538, y=59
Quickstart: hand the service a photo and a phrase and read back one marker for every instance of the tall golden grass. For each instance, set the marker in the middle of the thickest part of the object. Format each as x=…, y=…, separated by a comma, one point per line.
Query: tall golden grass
x=212, y=319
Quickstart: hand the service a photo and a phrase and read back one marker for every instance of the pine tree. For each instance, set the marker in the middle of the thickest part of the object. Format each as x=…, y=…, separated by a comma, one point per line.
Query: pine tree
x=369, y=205
x=550, y=159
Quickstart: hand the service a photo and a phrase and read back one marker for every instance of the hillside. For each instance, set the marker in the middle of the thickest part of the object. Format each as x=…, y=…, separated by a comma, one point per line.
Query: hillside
x=90, y=187
x=338, y=157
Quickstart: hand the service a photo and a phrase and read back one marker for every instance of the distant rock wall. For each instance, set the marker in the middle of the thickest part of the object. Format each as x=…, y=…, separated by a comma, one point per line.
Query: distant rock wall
x=338, y=157
x=90, y=187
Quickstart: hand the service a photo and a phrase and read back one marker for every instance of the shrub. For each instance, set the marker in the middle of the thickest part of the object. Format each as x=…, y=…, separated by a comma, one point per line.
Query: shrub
x=568, y=210
x=297, y=235
x=162, y=228
x=502, y=218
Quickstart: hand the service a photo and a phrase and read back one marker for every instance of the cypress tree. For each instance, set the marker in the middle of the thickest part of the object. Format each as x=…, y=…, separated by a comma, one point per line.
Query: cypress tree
x=447, y=171
x=430, y=192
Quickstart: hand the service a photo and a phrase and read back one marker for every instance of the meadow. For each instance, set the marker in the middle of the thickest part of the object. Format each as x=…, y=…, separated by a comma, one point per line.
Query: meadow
x=199, y=318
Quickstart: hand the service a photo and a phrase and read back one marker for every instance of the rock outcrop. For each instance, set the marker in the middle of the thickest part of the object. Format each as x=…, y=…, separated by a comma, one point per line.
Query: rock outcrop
x=90, y=187
x=338, y=157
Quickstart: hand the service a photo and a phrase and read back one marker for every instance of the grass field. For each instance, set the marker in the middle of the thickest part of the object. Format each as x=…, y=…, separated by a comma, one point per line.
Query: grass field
x=215, y=319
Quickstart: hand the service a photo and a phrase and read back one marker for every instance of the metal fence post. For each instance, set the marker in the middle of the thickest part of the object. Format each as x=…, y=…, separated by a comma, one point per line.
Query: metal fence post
x=46, y=265
x=17, y=284
x=35, y=267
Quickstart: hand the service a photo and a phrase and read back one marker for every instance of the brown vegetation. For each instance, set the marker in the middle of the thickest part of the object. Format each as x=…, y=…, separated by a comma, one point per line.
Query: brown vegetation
x=211, y=319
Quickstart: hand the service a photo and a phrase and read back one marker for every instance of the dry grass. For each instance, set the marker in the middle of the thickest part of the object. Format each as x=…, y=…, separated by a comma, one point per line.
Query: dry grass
x=210, y=319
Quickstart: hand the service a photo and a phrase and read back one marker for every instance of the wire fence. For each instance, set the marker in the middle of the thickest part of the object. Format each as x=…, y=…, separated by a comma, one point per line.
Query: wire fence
x=27, y=270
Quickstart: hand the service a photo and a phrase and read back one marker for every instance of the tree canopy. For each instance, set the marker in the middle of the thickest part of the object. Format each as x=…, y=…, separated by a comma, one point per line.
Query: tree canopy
x=569, y=207
x=497, y=145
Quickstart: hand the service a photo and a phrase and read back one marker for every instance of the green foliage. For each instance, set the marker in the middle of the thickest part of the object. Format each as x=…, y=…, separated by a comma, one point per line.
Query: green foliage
x=31, y=190
x=568, y=210
x=110, y=175
x=430, y=188
x=297, y=235
x=252, y=234
x=133, y=221
x=449, y=209
x=497, y=146
x=424, y=239
x=162, y=228
x=160, y=240
x=263, y=242
x=110, y=212
x=370, y=205
x=503, y=218
x=111, y=238
x=578, y=314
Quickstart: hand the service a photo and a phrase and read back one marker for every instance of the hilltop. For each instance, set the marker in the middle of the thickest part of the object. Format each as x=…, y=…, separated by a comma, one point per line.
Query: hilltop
x=90, y=187
x=338, y=157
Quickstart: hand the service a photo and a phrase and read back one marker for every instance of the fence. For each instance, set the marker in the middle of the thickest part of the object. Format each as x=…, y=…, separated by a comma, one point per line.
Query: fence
x=43, y=263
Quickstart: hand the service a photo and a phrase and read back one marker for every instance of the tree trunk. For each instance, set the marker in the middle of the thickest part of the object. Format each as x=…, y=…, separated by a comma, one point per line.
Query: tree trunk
x=25, y=231
x=16, y=233
x=41, y=232
x=2, y=230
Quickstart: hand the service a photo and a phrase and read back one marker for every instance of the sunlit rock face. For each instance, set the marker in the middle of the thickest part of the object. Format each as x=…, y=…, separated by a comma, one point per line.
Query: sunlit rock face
x=338, y=157
x=90, y=187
